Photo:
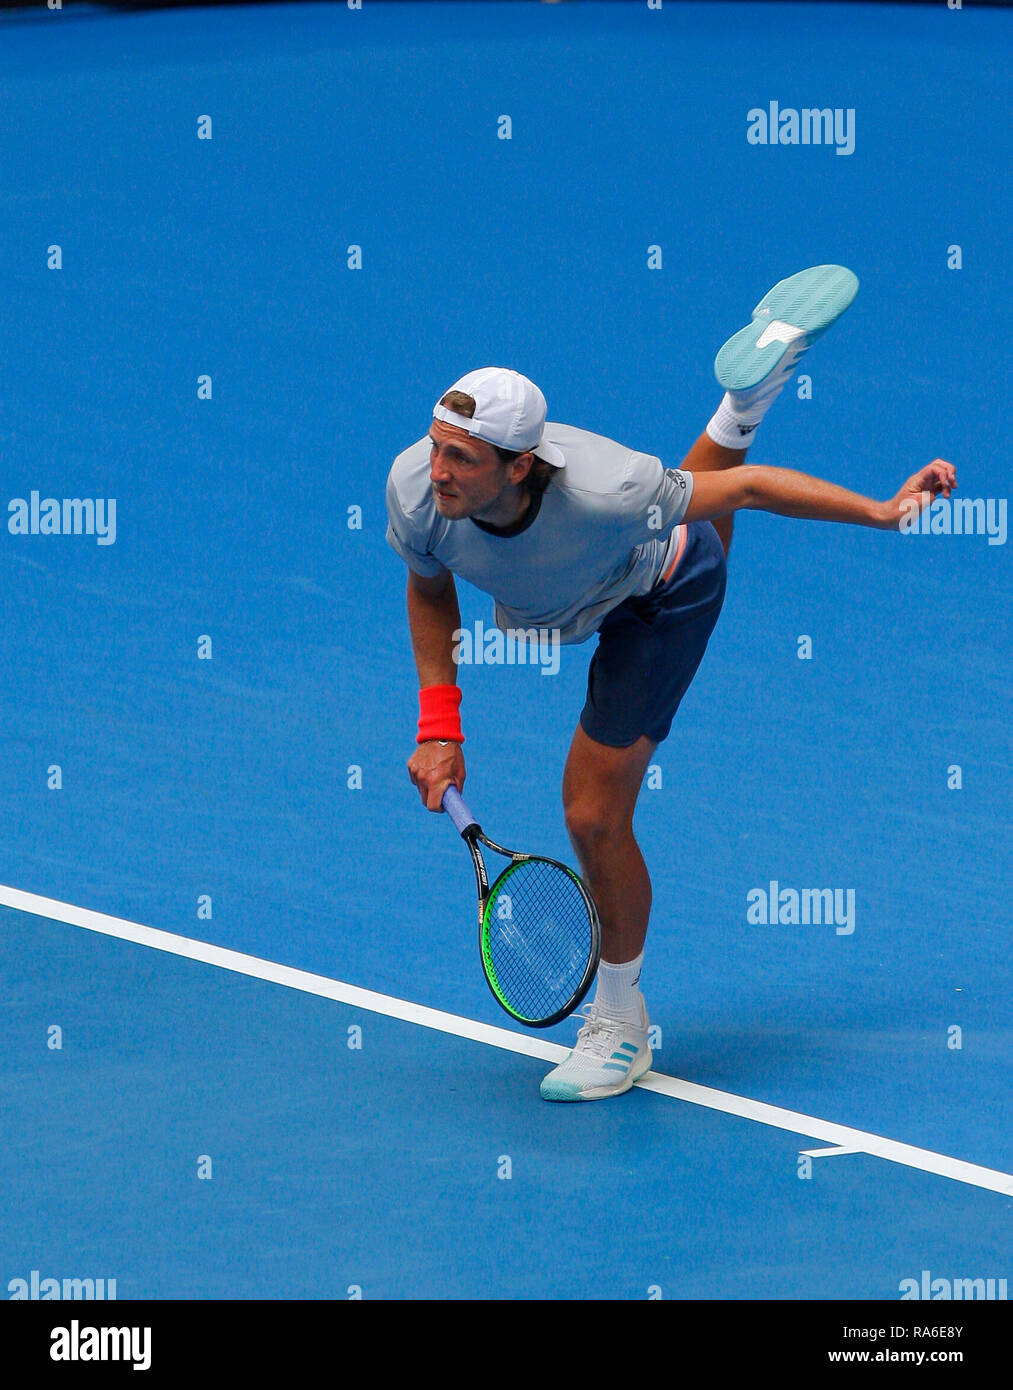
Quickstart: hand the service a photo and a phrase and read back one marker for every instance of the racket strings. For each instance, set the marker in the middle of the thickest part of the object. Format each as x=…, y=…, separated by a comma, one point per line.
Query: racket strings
x=538, y=937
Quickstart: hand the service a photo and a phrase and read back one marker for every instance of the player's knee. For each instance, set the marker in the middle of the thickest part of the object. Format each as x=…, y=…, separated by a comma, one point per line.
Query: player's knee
x=591, y=823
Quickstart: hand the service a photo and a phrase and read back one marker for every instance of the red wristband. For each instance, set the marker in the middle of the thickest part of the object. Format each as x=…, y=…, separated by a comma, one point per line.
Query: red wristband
x=439, y=713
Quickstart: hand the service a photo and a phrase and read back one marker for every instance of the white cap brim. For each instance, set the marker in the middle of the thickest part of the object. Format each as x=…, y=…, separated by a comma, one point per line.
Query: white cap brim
x=550, y=453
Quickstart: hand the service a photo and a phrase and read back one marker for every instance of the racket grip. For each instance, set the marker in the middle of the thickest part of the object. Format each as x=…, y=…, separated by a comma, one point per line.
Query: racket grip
x=453, y=804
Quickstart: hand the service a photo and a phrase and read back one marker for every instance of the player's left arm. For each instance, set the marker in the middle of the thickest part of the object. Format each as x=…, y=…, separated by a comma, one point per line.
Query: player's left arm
x=755, y=487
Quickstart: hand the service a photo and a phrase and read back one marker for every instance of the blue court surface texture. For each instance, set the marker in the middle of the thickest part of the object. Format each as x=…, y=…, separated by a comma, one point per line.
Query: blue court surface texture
x=248, y=1050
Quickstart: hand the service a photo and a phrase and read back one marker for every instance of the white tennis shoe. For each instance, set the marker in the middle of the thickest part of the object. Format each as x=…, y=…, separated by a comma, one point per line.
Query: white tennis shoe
x=609, y=1056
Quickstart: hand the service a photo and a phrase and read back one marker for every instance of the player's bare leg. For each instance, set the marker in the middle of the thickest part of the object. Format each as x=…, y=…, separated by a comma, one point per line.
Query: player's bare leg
x=708, y=457
x=600, y=790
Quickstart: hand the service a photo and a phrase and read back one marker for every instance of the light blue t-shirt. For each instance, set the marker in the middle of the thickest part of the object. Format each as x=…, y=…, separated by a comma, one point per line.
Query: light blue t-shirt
x=608, y=523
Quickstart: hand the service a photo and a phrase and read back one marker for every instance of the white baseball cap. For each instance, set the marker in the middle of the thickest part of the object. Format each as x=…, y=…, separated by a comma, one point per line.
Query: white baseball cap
x=509, y=412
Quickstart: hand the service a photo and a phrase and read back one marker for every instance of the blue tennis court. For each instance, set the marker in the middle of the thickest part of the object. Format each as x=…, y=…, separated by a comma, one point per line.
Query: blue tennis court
x=249, y=1051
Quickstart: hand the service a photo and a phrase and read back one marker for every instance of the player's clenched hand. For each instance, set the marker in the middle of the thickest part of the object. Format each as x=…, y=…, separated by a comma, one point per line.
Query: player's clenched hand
x=432, y=767
x=919, y=492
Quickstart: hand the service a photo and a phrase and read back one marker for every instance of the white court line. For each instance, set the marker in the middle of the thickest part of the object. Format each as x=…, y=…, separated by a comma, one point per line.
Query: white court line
x=530, y=1045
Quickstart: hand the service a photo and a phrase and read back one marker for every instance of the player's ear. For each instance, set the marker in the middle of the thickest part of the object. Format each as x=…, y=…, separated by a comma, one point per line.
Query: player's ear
x=520, y=468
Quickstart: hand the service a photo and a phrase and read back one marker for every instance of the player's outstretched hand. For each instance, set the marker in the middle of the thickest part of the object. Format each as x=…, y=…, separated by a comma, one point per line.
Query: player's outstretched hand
x=920, y=491
x=432, y=767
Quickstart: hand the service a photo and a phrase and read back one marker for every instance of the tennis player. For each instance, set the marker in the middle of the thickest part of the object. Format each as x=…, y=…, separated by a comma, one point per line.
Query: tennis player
x=572, y=531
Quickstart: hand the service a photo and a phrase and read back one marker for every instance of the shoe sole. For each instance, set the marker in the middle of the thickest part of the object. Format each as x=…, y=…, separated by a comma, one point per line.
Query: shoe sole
x=568, y=1090
x=793, y=314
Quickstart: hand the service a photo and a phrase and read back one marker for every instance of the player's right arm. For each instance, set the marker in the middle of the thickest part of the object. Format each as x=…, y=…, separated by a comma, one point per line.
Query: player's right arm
x=434, y=616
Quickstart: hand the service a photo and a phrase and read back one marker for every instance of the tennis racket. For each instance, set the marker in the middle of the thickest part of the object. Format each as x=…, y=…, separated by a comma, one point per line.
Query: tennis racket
x=539, y=932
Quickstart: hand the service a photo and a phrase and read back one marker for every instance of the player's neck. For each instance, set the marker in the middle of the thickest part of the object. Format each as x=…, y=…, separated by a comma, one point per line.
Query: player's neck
x=507, y=510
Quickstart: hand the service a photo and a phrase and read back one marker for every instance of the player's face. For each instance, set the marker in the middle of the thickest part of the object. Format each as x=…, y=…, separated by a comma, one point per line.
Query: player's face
x=467, y=476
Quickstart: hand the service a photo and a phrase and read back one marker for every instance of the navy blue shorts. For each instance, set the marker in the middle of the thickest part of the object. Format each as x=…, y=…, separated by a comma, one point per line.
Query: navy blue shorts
x=649, y=647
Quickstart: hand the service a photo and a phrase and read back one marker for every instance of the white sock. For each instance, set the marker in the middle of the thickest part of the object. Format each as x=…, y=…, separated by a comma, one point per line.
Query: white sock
x=736, y=419
x=730, y=428
x=617, y=991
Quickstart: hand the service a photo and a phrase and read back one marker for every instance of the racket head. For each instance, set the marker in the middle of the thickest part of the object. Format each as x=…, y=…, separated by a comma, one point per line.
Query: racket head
x=540, y=940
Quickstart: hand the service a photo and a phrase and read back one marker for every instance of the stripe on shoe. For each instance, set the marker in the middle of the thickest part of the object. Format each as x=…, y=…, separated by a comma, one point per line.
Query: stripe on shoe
x=621, y=1060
